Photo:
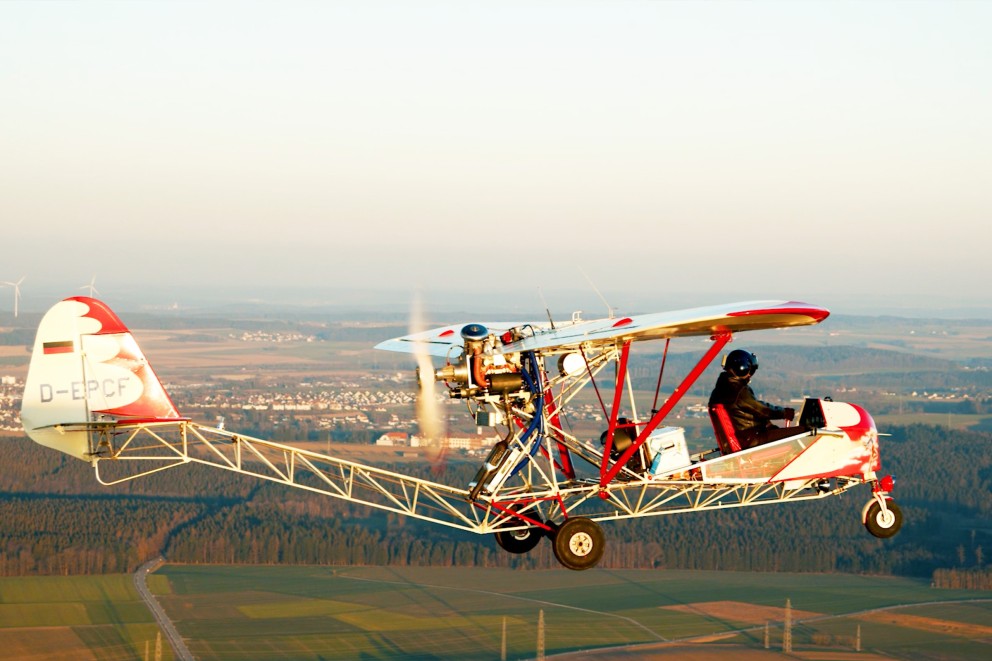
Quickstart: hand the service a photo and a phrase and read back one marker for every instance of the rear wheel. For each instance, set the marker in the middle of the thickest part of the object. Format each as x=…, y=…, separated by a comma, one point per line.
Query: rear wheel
x=886, y=523
x=579, y=543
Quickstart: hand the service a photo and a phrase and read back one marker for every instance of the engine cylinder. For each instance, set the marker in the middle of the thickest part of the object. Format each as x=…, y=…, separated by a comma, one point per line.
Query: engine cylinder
x=504, y=383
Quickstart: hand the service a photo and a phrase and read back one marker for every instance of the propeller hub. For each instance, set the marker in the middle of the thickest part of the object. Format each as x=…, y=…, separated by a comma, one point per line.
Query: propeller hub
x=426, y=375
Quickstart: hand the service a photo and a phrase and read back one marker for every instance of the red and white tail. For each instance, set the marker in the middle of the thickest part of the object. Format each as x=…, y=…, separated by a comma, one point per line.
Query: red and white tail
x=86, y=369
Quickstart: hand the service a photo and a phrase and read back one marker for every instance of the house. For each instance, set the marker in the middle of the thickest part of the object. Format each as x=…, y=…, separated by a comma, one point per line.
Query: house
x=393, y=439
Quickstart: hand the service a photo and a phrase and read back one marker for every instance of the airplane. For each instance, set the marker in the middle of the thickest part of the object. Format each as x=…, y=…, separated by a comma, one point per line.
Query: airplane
x=91, y=393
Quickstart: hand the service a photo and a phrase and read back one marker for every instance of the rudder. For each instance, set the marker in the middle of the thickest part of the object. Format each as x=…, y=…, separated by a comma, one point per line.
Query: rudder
x=87, y=368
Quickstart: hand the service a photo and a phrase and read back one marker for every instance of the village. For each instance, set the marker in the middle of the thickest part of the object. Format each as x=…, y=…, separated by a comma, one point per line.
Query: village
x=374, y=409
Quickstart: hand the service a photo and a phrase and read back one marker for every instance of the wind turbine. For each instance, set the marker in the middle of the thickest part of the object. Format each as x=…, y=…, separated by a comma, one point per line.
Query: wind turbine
x=17, y=292
x=91, y=287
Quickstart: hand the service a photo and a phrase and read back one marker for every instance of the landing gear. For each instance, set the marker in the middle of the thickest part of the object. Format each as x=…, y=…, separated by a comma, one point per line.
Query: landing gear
x=518, y=541
x=579, y=543
x=880, y=522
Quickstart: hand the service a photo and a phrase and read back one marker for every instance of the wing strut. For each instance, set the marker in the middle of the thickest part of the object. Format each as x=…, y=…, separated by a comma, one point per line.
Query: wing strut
x=608, y=473
x=617, y=398
x=661, y=373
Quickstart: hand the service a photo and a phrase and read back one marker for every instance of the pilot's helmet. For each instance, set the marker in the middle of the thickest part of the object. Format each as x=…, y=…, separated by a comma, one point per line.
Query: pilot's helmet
x=740, y=363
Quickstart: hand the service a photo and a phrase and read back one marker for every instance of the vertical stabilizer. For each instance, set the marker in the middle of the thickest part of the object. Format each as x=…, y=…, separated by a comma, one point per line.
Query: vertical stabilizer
x=85, y=368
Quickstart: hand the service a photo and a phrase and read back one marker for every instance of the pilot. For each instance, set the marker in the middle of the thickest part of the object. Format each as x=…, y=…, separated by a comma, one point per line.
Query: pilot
x=751, y=418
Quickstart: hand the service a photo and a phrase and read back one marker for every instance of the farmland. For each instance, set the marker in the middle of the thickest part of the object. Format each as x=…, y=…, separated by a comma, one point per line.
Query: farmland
x=79, y=617
x=269, y=612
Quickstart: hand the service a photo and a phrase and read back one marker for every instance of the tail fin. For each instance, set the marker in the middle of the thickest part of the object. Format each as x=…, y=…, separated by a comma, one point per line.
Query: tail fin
x=87, y=368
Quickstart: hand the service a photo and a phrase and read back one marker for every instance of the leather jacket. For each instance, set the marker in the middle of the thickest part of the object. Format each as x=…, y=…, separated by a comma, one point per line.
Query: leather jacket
x=745, y=411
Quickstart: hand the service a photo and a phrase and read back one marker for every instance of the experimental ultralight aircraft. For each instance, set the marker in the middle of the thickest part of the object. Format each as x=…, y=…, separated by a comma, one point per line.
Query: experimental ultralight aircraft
x=91, y=394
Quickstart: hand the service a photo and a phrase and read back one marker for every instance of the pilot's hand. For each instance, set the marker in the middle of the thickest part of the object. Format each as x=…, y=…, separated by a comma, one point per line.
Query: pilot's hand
x=790, y=414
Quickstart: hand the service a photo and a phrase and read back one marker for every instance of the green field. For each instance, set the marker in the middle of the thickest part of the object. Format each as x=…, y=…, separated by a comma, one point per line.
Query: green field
x=76, y=617
x=272, y=612
x=452, y=613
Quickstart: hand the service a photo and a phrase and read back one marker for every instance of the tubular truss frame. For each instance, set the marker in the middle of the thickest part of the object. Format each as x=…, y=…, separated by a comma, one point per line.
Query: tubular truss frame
x=165, y=445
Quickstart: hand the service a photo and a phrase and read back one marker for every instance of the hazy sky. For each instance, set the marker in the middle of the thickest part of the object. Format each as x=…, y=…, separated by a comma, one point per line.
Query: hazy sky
x=832, y=151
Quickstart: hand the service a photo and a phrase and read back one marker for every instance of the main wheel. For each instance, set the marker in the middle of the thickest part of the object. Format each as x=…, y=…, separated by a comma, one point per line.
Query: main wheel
x=518, y=541
x=883, y=524
x=578, y=544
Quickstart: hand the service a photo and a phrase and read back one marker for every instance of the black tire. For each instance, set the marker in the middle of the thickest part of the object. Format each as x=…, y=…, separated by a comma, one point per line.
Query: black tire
x=883, y=525
x=579, y=543
x=518, y=541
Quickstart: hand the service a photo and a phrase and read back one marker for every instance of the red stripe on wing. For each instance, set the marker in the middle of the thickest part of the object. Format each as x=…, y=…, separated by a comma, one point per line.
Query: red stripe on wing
x=813, y=312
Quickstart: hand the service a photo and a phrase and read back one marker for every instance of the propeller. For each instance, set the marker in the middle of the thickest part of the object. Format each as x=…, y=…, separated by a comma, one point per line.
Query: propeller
x=429, y=419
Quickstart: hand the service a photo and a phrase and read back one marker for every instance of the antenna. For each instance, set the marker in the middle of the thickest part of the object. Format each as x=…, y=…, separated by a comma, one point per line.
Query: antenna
x=546, y=308
x=609, y=308
x=17, y=292
x=91, y=287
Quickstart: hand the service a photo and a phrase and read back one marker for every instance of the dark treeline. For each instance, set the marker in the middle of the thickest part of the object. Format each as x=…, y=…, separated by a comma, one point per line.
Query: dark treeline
x=85, y=535
x=963, y=579
x=58, y=520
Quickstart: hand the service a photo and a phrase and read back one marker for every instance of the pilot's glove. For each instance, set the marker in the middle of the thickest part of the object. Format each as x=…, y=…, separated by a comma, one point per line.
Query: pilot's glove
x=789, y=414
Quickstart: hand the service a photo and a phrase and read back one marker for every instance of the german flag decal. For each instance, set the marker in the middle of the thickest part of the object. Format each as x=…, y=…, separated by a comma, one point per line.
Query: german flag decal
x=58, y=347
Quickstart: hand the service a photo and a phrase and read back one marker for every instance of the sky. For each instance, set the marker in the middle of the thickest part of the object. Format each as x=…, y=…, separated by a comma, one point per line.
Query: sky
x=663, y=153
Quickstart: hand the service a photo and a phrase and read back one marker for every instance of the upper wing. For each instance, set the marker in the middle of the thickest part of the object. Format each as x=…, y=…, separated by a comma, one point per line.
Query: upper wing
x=711, y=320
x=445, y=341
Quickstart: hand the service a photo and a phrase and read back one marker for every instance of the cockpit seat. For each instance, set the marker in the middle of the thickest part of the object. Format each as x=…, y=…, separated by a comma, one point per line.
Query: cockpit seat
x=726, y=437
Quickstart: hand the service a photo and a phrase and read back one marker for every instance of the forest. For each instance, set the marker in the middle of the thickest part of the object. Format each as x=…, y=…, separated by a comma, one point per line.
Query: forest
x=58, y=520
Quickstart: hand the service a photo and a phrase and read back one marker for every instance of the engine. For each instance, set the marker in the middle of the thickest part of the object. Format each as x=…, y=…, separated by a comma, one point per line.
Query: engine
x=483, y=369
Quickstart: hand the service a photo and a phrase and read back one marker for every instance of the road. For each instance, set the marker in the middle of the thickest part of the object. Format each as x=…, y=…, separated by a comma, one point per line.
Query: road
x=179, y=649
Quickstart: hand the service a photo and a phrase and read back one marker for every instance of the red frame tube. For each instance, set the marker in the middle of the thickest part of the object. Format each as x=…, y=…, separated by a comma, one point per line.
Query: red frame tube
x=563, y=454
x=607, y=473
x=505, y=508
x=617, y=398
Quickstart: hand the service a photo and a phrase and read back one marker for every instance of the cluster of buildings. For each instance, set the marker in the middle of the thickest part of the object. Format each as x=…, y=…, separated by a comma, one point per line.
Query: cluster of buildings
x=269, y=336
x=470, y=444
x=388, y=404
x=304, y=399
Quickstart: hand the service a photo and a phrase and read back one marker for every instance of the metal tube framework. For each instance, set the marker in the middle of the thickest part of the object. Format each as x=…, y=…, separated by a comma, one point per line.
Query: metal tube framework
x=173, y=444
